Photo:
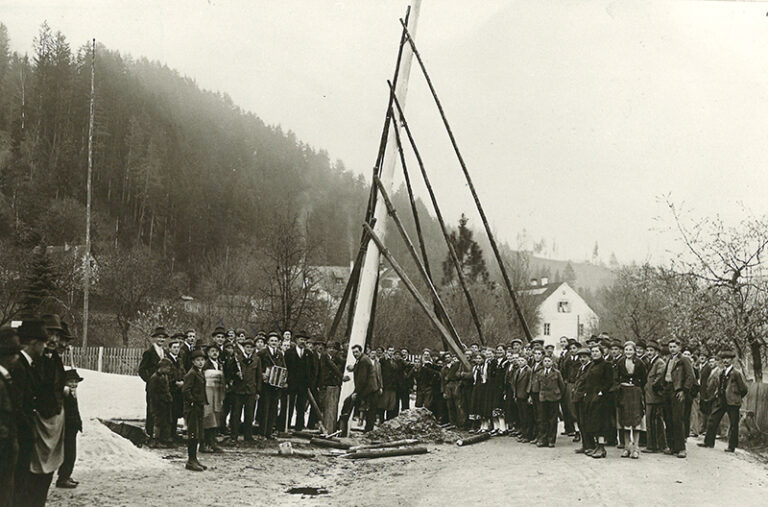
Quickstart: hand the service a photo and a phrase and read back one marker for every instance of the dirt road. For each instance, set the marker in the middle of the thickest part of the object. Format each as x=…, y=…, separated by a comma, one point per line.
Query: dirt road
x=498, y=472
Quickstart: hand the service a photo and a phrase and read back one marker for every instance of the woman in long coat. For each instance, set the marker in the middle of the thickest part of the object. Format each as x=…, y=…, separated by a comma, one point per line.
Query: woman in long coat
x=632, y=375
x=597, y=382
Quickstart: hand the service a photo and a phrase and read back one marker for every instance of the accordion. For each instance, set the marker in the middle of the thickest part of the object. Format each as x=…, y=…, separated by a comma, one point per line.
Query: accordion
x=278, y=376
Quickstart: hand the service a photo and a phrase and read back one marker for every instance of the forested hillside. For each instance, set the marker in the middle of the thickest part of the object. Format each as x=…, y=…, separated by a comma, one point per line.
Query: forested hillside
x=178, y=169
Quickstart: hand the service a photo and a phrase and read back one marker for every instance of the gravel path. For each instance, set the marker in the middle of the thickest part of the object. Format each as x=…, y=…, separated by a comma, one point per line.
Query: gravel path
x=498, y=472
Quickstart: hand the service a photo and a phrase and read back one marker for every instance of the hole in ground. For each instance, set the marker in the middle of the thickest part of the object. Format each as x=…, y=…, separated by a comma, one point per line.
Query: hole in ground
x=307, y=490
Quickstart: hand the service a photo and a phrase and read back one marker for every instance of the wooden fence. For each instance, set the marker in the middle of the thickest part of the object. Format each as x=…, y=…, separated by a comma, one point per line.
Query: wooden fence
x=119, y=360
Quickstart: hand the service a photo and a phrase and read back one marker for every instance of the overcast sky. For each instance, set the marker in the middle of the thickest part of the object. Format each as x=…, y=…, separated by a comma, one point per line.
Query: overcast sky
x=573, y=116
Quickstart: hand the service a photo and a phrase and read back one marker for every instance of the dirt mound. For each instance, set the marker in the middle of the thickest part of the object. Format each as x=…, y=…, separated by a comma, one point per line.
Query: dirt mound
x=414, y=423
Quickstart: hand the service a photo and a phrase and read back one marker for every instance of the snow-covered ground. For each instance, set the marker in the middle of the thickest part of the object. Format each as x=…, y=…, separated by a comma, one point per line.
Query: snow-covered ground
x=106, y=396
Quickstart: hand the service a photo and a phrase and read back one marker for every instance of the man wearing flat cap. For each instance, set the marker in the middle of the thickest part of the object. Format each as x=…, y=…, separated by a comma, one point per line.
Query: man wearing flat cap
x=148, y=367
x=731, y=388
x=271, y=356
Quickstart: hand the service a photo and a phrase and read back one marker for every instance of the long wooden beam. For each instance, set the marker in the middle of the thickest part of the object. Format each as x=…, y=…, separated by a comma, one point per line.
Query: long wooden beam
x=443, y=227
x=471, y=185
x=438, y=304
x=419, y=298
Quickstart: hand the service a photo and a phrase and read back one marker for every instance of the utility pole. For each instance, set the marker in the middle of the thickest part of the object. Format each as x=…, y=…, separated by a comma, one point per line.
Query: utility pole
x=87, y=273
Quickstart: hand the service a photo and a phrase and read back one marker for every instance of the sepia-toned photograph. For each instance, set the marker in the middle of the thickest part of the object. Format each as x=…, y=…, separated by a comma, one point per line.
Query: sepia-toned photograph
x=383, y=253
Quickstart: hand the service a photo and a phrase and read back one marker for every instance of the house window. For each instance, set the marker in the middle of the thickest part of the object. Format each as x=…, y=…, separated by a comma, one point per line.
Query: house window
x=546, y=329
x=564, y=307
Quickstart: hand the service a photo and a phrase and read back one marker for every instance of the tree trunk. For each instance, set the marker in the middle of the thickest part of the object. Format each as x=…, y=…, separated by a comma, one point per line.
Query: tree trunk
x=757, y=360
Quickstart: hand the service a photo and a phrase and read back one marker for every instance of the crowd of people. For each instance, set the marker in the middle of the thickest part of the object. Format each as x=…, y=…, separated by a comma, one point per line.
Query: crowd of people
x=639, y=397
x=39, y=414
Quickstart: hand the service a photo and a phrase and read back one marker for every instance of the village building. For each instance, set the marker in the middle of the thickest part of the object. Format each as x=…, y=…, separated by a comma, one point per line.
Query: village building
x=562, y=312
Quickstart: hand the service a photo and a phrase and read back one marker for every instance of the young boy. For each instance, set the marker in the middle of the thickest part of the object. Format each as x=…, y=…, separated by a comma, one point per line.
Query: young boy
x=72, y=425
x=161, y=402
x=194, y=401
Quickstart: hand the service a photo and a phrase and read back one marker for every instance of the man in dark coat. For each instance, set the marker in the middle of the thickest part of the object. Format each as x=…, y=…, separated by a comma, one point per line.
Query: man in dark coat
x=678, y=380
x=730, y=388
x=330, y=373
x=300, y=362
x=29, y=488
x=391, y=373
x=654, y=399
x=597, y=383
x=522, y=392
x=189, y=345
x=568, y=366
x=706, y=395
x=366, y=385
x=175, y=346
x=148, y=366
x=10, y=408
x=270, y=357
x=551, y=390
x=244, y=373
x=578, y=395
x=195, y=400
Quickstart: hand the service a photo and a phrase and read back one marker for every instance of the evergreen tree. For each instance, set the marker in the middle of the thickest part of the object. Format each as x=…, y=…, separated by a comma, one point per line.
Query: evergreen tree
x=42, y=280
x=470, y=256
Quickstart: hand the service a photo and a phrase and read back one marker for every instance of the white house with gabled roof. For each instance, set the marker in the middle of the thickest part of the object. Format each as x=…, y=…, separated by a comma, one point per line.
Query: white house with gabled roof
x=562, y=312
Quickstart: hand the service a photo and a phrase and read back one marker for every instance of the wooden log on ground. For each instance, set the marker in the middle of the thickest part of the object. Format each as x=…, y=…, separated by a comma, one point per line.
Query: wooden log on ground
x=386, y=453
x=383, y=445
x=482, y=437
x=321, y=442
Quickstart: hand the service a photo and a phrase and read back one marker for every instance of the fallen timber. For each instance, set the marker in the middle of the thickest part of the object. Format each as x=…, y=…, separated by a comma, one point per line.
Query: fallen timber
x=474, y=439
x=335, y=444
x=383, y=445
x=386, y=453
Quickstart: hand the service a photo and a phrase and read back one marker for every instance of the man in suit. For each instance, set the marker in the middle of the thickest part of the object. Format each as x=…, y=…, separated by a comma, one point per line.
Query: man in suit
x=148, y=367
x=176, y=380
x=678, y=381
x=270, y=357
x=301, y=373
x=578, y=394
x=654, y=399
x=189, y=346
x=244, y=374
x=706, y=395
x=568, y=366
x=29, y=488
x=366, y=385
x=452, y=376
x=551, y=390
x=731, y=388
x=522, y=390
x=330, y=372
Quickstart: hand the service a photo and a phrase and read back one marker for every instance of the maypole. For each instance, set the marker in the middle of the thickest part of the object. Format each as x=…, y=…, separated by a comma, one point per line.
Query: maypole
x=87, y=273
x=370, y=269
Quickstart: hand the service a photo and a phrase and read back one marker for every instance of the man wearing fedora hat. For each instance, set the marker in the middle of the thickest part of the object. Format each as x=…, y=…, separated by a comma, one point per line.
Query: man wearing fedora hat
x=73, y=424
x=730, y=389
x=148, y=366
x=31, y=488
x=654, y=400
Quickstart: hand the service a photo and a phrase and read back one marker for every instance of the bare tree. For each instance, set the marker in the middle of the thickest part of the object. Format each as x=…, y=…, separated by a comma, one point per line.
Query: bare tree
x=729, y=261
x=288, y=299
x=131, y=281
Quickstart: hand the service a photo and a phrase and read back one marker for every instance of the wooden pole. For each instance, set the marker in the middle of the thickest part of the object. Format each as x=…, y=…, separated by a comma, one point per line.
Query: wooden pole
x=87, y=272
x=385, y=453
x=443, y=227
x=319, y=412
x=419, y=298
x=370, y=269
x=440, y=308
x=471, y=185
